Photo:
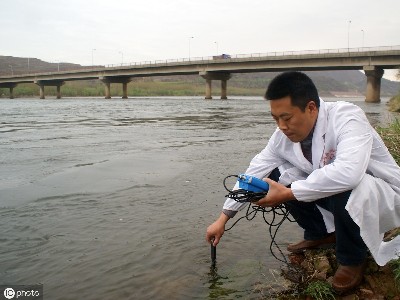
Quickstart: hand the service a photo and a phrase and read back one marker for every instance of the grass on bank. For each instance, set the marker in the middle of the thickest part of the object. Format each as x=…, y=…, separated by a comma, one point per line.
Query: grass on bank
x=391, y=138
x=394, y=104
x=395, y=264
x=320, y=290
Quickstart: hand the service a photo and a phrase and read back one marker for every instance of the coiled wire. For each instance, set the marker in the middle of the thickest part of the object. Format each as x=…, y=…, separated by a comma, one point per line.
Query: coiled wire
x=273, y=216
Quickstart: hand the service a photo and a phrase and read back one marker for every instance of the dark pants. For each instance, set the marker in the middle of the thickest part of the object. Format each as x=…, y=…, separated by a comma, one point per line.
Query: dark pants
x=350, y=247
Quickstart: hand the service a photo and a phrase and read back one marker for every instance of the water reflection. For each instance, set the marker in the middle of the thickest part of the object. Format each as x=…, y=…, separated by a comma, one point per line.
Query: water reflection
x=216, y=285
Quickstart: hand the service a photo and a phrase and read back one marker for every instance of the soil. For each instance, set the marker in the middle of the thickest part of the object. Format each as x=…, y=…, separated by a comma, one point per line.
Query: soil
x=320, y=265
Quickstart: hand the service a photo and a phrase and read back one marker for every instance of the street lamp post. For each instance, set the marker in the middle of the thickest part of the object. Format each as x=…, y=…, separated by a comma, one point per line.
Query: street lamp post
x=348, y=36
x=217, y=47
x=122, y=57
x=191, y=37
x=92, y=56
x=362, y=30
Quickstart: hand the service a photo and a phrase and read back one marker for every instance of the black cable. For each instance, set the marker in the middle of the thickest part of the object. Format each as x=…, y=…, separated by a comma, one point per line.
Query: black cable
x=241, y=195
x=278, y=214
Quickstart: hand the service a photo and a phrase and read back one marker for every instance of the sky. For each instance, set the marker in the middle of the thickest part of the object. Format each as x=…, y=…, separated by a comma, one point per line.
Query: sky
x=124, y=31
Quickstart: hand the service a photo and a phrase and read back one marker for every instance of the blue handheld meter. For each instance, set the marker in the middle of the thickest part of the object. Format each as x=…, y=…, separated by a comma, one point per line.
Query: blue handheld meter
x=252, y=184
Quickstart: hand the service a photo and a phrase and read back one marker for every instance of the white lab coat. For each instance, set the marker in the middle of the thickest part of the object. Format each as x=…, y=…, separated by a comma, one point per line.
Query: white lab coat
x=347, y=154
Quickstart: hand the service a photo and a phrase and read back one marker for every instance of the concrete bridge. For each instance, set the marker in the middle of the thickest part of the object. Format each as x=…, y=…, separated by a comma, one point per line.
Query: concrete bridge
x=372, y=61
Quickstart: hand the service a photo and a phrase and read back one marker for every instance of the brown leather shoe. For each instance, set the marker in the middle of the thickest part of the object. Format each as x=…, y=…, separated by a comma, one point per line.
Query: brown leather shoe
x=313, y=244
x=348, y=277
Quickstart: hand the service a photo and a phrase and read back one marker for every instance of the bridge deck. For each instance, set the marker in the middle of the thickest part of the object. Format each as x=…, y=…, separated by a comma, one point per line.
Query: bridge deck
x=330, y=59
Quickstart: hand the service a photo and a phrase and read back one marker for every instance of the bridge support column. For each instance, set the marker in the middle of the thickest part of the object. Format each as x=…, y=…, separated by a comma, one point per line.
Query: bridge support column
x=224, y=89
x=43, y=83
x=222, y=76
x=10, y=86
x=374, y=76
x=208, y=89
x=107, y=80
x=124, y=90
x=58, y=91
x=107, y=91
x=41, y=91
x=11, y=92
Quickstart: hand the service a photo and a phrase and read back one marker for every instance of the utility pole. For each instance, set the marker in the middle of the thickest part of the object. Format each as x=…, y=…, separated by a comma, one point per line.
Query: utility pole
x=362, y=30
x=122, y=57
x=92, y=56
x=191, y=37
x=348, y=37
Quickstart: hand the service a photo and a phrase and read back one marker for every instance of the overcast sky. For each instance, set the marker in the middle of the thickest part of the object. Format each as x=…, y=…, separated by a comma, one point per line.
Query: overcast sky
x=142, y=30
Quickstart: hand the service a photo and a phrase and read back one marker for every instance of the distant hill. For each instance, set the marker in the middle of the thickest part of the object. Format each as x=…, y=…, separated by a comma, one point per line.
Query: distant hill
x=21, y=65
x=330, y=83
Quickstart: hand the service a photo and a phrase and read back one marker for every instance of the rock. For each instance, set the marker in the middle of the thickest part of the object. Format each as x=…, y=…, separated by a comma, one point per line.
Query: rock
x=320, y=275
x=366, y=292
x=296, y=258
x=378, y=282
x=321, y=264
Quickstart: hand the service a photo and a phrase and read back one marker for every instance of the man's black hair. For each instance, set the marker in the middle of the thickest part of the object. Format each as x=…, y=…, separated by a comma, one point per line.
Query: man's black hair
x=297, y=85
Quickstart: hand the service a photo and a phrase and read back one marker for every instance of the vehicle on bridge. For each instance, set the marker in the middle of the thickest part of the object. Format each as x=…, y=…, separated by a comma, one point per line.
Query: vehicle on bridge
x=222, y=56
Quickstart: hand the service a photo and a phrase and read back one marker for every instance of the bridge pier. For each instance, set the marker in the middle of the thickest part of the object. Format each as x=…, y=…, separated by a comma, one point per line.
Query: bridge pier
x=374, y=76
x=210, y=76
x=107, y=92
x=107, y=85
x=41, y=91
x=224, y=84
x=12, y=91
x=208, y=89
x=9, y=86
x=124, y=90
x=43, y=83
x=58, y=92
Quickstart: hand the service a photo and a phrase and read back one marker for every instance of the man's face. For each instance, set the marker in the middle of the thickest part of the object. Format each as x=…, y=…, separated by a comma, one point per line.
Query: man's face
x=293, y=122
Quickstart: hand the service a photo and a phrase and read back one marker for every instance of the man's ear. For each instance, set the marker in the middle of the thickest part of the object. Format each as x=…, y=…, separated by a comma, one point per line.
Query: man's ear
x=312, y=106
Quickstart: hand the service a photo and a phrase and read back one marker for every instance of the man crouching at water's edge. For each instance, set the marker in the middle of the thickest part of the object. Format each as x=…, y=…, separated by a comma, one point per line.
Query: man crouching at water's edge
x=335, y=176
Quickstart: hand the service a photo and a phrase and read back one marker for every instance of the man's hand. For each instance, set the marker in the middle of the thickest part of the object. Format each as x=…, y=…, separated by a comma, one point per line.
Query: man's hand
x=277, y=194
x=216, y=230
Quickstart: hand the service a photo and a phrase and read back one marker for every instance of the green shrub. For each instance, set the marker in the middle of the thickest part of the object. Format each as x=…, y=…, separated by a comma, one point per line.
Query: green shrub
x=395, y=264
x=320, y=290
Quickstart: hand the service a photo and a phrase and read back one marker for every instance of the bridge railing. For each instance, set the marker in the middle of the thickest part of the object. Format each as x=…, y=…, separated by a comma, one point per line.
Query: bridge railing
x=256, y=55
x=194, y=60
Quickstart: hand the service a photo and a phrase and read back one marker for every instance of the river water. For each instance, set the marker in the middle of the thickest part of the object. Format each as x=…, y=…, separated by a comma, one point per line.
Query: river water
x=110, y=199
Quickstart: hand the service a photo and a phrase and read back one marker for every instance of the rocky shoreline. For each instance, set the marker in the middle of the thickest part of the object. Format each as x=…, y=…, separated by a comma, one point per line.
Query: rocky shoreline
x=308, y=276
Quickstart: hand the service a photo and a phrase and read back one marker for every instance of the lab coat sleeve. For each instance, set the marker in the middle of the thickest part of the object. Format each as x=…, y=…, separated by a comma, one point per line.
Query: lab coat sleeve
x=353, y=150
x=260, y=166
